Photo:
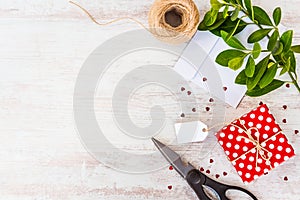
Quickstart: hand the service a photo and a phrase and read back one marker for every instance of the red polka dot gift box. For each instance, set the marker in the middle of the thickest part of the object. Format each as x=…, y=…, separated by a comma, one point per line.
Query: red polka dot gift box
x=255, y=144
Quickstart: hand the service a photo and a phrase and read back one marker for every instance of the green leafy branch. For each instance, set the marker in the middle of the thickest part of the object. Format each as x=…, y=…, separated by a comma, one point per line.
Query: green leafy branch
x=226, y=18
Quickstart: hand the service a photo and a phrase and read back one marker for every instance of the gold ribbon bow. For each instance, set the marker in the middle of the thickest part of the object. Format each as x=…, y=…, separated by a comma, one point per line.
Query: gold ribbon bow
x=264, y=153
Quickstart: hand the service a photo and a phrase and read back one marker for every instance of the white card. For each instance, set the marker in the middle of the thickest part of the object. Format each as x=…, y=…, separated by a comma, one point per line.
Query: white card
x=212, y=46
x=191, y=132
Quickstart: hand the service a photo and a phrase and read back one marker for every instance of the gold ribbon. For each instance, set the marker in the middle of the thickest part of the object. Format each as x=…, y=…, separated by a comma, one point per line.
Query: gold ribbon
x=264, y=153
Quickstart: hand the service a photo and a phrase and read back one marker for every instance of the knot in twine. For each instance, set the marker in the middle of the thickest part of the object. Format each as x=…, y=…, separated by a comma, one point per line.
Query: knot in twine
x=265, y=154
x=174, y=21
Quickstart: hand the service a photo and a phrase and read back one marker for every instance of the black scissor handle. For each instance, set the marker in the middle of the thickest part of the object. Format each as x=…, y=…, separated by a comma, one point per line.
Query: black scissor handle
x=196, y=180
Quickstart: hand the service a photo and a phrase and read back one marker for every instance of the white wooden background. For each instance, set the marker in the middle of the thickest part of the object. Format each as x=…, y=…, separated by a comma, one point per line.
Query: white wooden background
x=43, y=44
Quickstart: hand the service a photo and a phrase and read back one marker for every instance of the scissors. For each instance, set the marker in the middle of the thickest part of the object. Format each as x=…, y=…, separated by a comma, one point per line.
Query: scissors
x=196, y=179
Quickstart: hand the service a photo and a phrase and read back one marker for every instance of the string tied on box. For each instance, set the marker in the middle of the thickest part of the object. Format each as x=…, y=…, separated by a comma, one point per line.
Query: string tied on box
x=262, y=152
x=171, y=21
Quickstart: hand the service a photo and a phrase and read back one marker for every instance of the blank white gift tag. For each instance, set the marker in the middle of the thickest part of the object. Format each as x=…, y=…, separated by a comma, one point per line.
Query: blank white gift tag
x=191, y=132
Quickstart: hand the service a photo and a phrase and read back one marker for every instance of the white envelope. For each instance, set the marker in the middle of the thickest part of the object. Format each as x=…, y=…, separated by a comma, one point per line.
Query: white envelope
x=212, y=45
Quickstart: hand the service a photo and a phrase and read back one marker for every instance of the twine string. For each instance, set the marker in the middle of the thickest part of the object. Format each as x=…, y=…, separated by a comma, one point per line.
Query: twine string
x=110, y=22
x=264, y=153
x=158, y=25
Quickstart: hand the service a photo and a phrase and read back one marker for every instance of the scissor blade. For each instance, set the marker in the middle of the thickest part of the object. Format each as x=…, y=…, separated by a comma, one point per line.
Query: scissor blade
x=173, y=158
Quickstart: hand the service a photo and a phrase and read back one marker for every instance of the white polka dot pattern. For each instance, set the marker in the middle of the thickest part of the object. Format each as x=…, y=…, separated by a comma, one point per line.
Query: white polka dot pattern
x=242, y=152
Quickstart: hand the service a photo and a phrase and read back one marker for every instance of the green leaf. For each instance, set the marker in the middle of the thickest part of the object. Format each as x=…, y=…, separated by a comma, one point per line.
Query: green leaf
x=235, y=14
x=272, y=41
x=256, y=50
x=293, y=63
x=219, y=21
x=286, y=67
x=291, y=56
x=257, y=91
x=236, y=63
x=249, y=7
x=283, y=71
x=239, y=2
x=277, y=49
x=225, y=11
x=286, y=40
x=229, y=25
x=277, y=15
x=224, y=57
x=258, y=35
x=289, y=63
x=261, y=16
x=259, y=72
x=215, y=4
x=250, y=67
x=232, y=32
x=232, y=41
x=216, y=24
x=210, y=17
x=269, y=76
x=241, y=78
x=296, y=48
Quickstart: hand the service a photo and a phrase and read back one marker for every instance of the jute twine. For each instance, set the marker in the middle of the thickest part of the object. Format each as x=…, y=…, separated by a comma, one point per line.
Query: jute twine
x=172, y=21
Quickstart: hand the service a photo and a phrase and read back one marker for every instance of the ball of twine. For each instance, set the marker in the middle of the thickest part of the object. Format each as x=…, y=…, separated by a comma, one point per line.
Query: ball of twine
x=174, y=21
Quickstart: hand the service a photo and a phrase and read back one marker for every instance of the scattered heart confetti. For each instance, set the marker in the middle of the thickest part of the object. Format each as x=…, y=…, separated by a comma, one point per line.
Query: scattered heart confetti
x=225, y=89
x=194, y=109
x=182, y=89
x=170, y=187
x=201, y=169
x=211, y=100
x=182, y=115
x=207, y=109
x=284, y=107
x=189, y=92
x=225, y=173
x=211, y=161
x=208, y=171
x=204, y=79
x=171, y=167
x=287, y=85
x=296, y=132
x=217, y=175
x=284, y=120
x=285, y=178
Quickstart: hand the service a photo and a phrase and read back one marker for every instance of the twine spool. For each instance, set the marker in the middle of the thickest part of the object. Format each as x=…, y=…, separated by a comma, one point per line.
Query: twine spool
x=174, y=21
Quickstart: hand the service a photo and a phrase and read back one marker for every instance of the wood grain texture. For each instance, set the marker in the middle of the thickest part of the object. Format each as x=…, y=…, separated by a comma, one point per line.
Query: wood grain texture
x=43, y=45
